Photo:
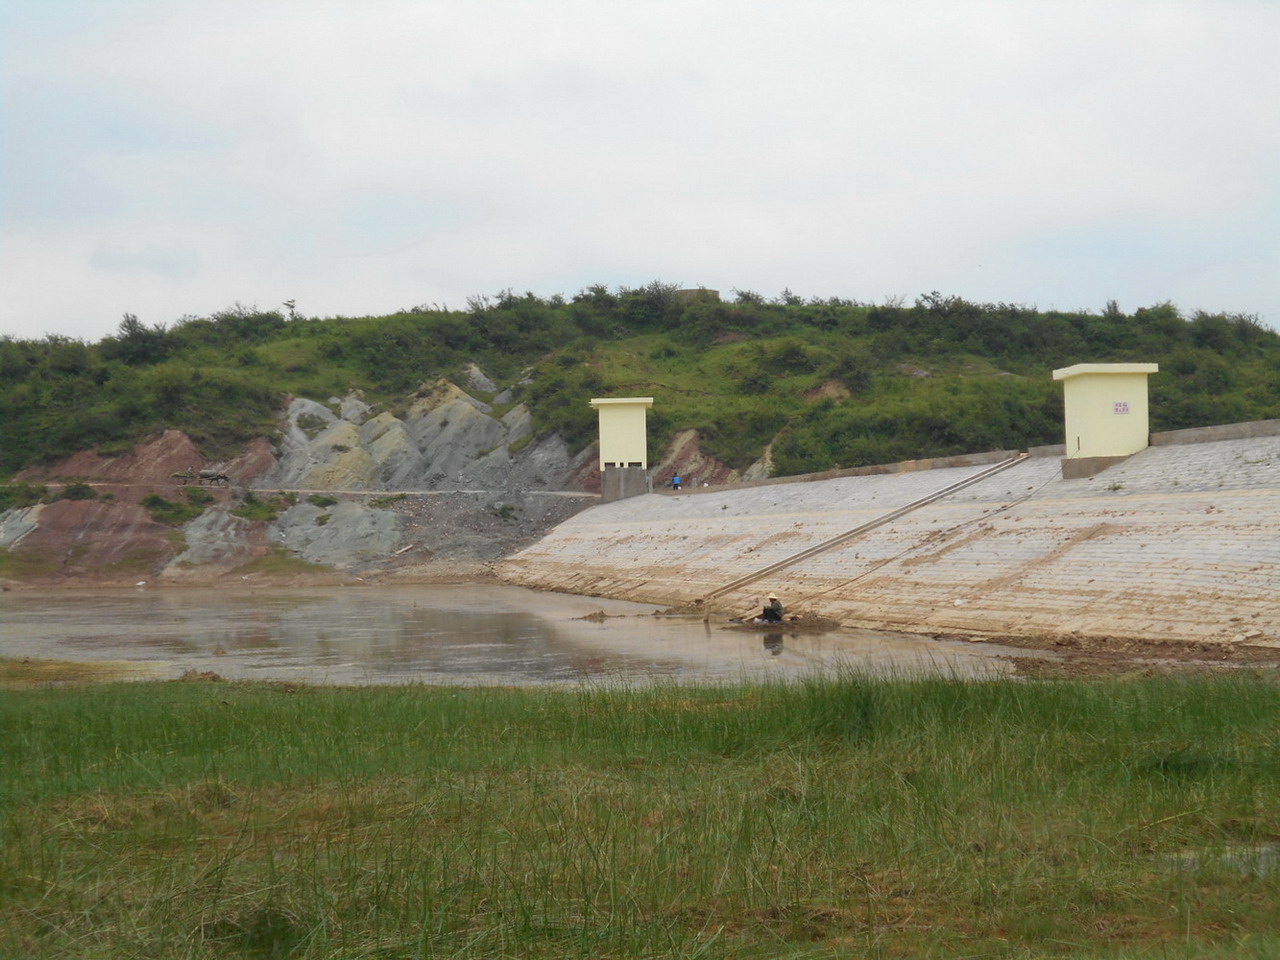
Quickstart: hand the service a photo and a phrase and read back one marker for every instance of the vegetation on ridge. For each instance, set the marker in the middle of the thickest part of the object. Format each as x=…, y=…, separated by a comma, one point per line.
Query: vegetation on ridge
x=830, y=382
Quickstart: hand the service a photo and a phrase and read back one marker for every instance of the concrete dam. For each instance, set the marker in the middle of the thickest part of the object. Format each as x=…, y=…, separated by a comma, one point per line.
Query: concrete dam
x=1181, y=541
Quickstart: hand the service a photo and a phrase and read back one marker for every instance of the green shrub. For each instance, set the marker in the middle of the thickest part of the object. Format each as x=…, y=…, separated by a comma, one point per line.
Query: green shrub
x=16, y=495
x=311, y=424
x=77, y=490
x=320, y=500
x=168, y=512
x=253, y=508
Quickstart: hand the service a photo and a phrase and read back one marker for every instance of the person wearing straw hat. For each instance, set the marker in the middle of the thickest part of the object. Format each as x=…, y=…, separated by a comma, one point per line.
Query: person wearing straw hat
x=773, y=610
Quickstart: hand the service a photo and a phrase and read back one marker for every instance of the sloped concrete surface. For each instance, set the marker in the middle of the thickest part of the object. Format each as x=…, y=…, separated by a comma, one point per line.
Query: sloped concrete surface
x=1178, y=542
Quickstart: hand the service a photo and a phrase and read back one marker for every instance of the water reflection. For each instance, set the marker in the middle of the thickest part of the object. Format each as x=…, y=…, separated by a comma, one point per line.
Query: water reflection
x=434, y=634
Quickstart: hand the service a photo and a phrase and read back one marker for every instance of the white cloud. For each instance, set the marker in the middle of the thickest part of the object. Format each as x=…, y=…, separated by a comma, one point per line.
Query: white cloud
x=167, y=159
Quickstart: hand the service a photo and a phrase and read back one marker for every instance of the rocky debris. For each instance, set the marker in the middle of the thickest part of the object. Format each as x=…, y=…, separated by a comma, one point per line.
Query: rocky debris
x=460, y=526
x=345, y=535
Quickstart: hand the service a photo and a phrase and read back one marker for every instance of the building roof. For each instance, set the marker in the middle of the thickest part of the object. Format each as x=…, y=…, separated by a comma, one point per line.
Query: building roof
x=1079, y=369
x=600, y=401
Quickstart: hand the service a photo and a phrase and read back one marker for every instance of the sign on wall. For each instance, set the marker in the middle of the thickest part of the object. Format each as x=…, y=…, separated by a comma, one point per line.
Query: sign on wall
x=1120, y=406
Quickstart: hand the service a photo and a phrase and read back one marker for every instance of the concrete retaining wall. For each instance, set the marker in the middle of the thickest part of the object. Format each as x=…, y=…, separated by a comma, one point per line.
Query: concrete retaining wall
x=1226, y=431
x=1177, y=542
x=903, y=466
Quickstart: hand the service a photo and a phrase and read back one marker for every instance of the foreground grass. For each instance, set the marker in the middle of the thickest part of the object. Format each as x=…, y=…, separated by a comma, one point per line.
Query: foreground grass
x=848, y=818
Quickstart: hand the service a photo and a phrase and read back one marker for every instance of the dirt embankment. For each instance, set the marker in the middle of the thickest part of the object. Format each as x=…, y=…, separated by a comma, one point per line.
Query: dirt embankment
x=1109, y=655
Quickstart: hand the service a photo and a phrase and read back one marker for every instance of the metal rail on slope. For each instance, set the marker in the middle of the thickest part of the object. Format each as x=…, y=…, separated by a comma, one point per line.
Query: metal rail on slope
x=857, y=531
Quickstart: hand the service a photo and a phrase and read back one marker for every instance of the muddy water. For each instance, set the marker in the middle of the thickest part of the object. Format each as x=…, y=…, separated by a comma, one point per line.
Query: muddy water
x=436, y=634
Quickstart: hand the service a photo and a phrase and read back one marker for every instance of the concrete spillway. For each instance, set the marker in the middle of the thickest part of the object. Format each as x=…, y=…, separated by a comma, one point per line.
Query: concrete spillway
x=1181, y=541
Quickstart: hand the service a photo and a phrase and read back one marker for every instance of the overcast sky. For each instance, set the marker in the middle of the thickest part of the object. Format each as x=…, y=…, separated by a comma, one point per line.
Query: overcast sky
x=173, y=158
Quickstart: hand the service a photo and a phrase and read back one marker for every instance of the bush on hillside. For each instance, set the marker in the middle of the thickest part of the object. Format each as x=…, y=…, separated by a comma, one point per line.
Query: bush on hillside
x=170, y=513
x=14, y=496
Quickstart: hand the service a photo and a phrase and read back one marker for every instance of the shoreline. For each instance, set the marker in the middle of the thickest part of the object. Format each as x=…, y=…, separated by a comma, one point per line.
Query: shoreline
x=1078, y=655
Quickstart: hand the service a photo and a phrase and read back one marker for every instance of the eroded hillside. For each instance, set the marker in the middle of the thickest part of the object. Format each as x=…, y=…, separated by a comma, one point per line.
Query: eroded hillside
x=438, y=484
x=448, y=482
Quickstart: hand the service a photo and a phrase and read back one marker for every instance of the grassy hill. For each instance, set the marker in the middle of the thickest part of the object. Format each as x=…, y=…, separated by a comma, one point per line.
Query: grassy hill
x=827, y=381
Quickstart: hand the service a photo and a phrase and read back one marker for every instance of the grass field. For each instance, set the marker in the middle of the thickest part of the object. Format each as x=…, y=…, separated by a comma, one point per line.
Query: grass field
x=852, y=817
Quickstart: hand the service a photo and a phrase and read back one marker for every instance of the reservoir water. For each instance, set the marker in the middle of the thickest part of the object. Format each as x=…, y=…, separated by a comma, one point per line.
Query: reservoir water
x=454, y=633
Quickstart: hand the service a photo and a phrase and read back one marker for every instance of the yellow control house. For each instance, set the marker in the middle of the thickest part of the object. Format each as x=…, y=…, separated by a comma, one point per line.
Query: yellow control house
x=624, y=446
x=1105, y=413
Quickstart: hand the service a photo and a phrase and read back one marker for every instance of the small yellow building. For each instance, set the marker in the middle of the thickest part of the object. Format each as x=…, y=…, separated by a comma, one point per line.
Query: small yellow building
x=624, y=446
x=1105, y=409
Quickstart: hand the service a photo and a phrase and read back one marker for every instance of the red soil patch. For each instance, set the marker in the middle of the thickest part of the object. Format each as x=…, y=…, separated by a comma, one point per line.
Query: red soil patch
x=113, y=539
x=89, y=540
x=154, y=461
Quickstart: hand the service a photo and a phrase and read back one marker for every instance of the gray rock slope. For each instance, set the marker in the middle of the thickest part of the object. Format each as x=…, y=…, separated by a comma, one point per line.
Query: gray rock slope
x=451, y=478
x=445, y=440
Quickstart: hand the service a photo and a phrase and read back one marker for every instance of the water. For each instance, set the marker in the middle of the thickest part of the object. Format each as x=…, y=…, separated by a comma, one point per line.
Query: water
x=456, y=633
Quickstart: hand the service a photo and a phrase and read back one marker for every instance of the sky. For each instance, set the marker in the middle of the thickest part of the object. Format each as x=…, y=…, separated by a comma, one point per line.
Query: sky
x=360, y=157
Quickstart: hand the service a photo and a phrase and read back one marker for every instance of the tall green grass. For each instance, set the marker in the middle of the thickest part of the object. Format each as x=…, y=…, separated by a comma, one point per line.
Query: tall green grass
x=855, y=817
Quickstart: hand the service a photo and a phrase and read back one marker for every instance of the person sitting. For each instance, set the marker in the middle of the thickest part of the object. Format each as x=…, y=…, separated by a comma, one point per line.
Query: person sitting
x=773, y=610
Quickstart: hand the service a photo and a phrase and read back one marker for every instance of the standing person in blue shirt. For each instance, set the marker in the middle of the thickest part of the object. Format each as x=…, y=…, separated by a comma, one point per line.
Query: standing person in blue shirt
x=675, y=482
